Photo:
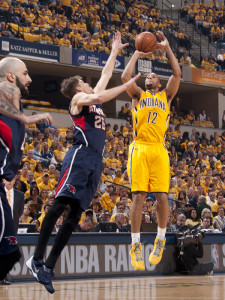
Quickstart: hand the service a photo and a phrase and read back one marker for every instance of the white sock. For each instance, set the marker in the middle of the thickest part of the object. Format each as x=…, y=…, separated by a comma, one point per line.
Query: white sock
x=135, y=237
x=161, y=232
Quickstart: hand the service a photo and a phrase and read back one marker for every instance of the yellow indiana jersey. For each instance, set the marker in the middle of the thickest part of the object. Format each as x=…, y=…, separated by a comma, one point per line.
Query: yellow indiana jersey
x=151, y=117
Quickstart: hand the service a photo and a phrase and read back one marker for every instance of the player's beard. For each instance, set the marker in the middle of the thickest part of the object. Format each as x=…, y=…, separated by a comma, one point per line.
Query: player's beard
x=24, y=91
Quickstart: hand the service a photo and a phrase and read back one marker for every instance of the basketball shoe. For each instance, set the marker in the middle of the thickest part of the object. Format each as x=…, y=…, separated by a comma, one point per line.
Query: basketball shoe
x=41, y=273
x=157, y=252
x=136, y=256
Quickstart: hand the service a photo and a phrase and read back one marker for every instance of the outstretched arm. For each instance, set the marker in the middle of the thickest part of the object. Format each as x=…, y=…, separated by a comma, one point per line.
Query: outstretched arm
x=82, y=99
x=109, y=67
x=174, y=81
x=10, y=102
x=36, y=118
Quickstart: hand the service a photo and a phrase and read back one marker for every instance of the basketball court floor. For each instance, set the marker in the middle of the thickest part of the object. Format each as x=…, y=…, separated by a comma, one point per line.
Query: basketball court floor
x=122, y=288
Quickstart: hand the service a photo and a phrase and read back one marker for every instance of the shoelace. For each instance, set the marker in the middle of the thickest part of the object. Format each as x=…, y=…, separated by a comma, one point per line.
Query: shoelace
x=158, y=247
x=137, y=252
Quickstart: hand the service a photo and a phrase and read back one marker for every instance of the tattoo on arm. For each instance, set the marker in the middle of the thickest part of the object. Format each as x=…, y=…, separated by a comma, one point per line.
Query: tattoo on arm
x=9, y=94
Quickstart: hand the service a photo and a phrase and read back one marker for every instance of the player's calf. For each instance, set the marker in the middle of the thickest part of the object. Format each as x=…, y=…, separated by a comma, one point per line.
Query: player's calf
x=7, y=261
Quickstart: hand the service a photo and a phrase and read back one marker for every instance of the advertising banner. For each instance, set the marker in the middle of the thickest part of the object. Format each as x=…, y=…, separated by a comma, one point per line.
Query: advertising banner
x=162, y=69
x=94, y=59
x=150, y=66
x=101, y=254
x=29, y=49
x=205, y=76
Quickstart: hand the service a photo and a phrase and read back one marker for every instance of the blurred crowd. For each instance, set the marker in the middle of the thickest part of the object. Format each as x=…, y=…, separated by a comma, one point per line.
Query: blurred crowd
x=90, y=25
x=207, y=18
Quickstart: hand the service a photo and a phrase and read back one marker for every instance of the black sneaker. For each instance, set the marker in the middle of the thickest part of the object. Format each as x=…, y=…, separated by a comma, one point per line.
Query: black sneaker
x=34, y=266
x=45, y=276
x=41, y=273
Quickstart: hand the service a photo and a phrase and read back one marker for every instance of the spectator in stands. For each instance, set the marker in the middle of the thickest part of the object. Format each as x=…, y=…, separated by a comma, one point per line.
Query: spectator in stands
x=208, y=122
x=46, y=153
x=81, y=26
x=202, y=115
x=4, y=31
x=59, y=154
x=43, y=213
x=64, y=41
x=185, y=59
x=181, y=220
x=58, y=224
x=45, y=184
x=199, y=19
x=201, y=205
x=38, y=170
x=214, y=4
x=4, y=6
x=220, y=58
x=191, y=14
x=12, y=17
x=55, y=180
x=25, y=218
x=213, y=66
x=44, y=38
x=120, y=221
x=53, y=39
x=219, y=220
x=29, y=16
x=160, y=57
x=194, y=219
x=206, y=224
x=36, y=151
x=44, y=195
x=184, y=9
x=215, y=33
x=190, y=152
x=34, y=213
x=34, y=196
x=207, y=25
x=85, y=226
x=205, y=64
x=30, y=159
x=194, y=199
x=219, y=202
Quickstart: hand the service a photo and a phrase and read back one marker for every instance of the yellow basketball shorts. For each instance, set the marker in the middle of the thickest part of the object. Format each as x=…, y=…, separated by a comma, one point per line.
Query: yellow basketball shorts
x=148, y=167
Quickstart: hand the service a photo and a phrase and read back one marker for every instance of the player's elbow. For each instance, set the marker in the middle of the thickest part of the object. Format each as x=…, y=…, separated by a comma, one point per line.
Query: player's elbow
x=124, y=78
x=100, y=99
x=177, y=72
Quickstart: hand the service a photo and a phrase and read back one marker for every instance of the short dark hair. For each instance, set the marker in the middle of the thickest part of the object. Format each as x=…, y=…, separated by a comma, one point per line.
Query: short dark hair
x=32, y=188
x=36, y=143
x=119, y=204
x=219, y=194
x=69, y=85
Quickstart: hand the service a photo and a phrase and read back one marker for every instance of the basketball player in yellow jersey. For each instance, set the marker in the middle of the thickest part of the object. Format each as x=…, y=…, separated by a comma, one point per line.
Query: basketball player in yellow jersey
x=148, y=163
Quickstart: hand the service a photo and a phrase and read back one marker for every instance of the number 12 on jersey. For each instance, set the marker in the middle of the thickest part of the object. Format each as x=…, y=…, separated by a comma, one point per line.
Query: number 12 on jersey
x=152, y=117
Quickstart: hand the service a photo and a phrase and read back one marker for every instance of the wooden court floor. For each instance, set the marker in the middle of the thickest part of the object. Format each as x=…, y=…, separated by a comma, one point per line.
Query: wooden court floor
x=126, y=288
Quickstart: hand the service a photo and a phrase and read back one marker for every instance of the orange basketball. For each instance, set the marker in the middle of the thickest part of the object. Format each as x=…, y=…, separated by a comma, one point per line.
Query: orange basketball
x=146, y=42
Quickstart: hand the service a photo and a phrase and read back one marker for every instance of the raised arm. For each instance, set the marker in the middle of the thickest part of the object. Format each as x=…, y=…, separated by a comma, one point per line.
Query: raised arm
x=109, y=67
x=82, y=99
x=133, y=91
x=174, y=81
